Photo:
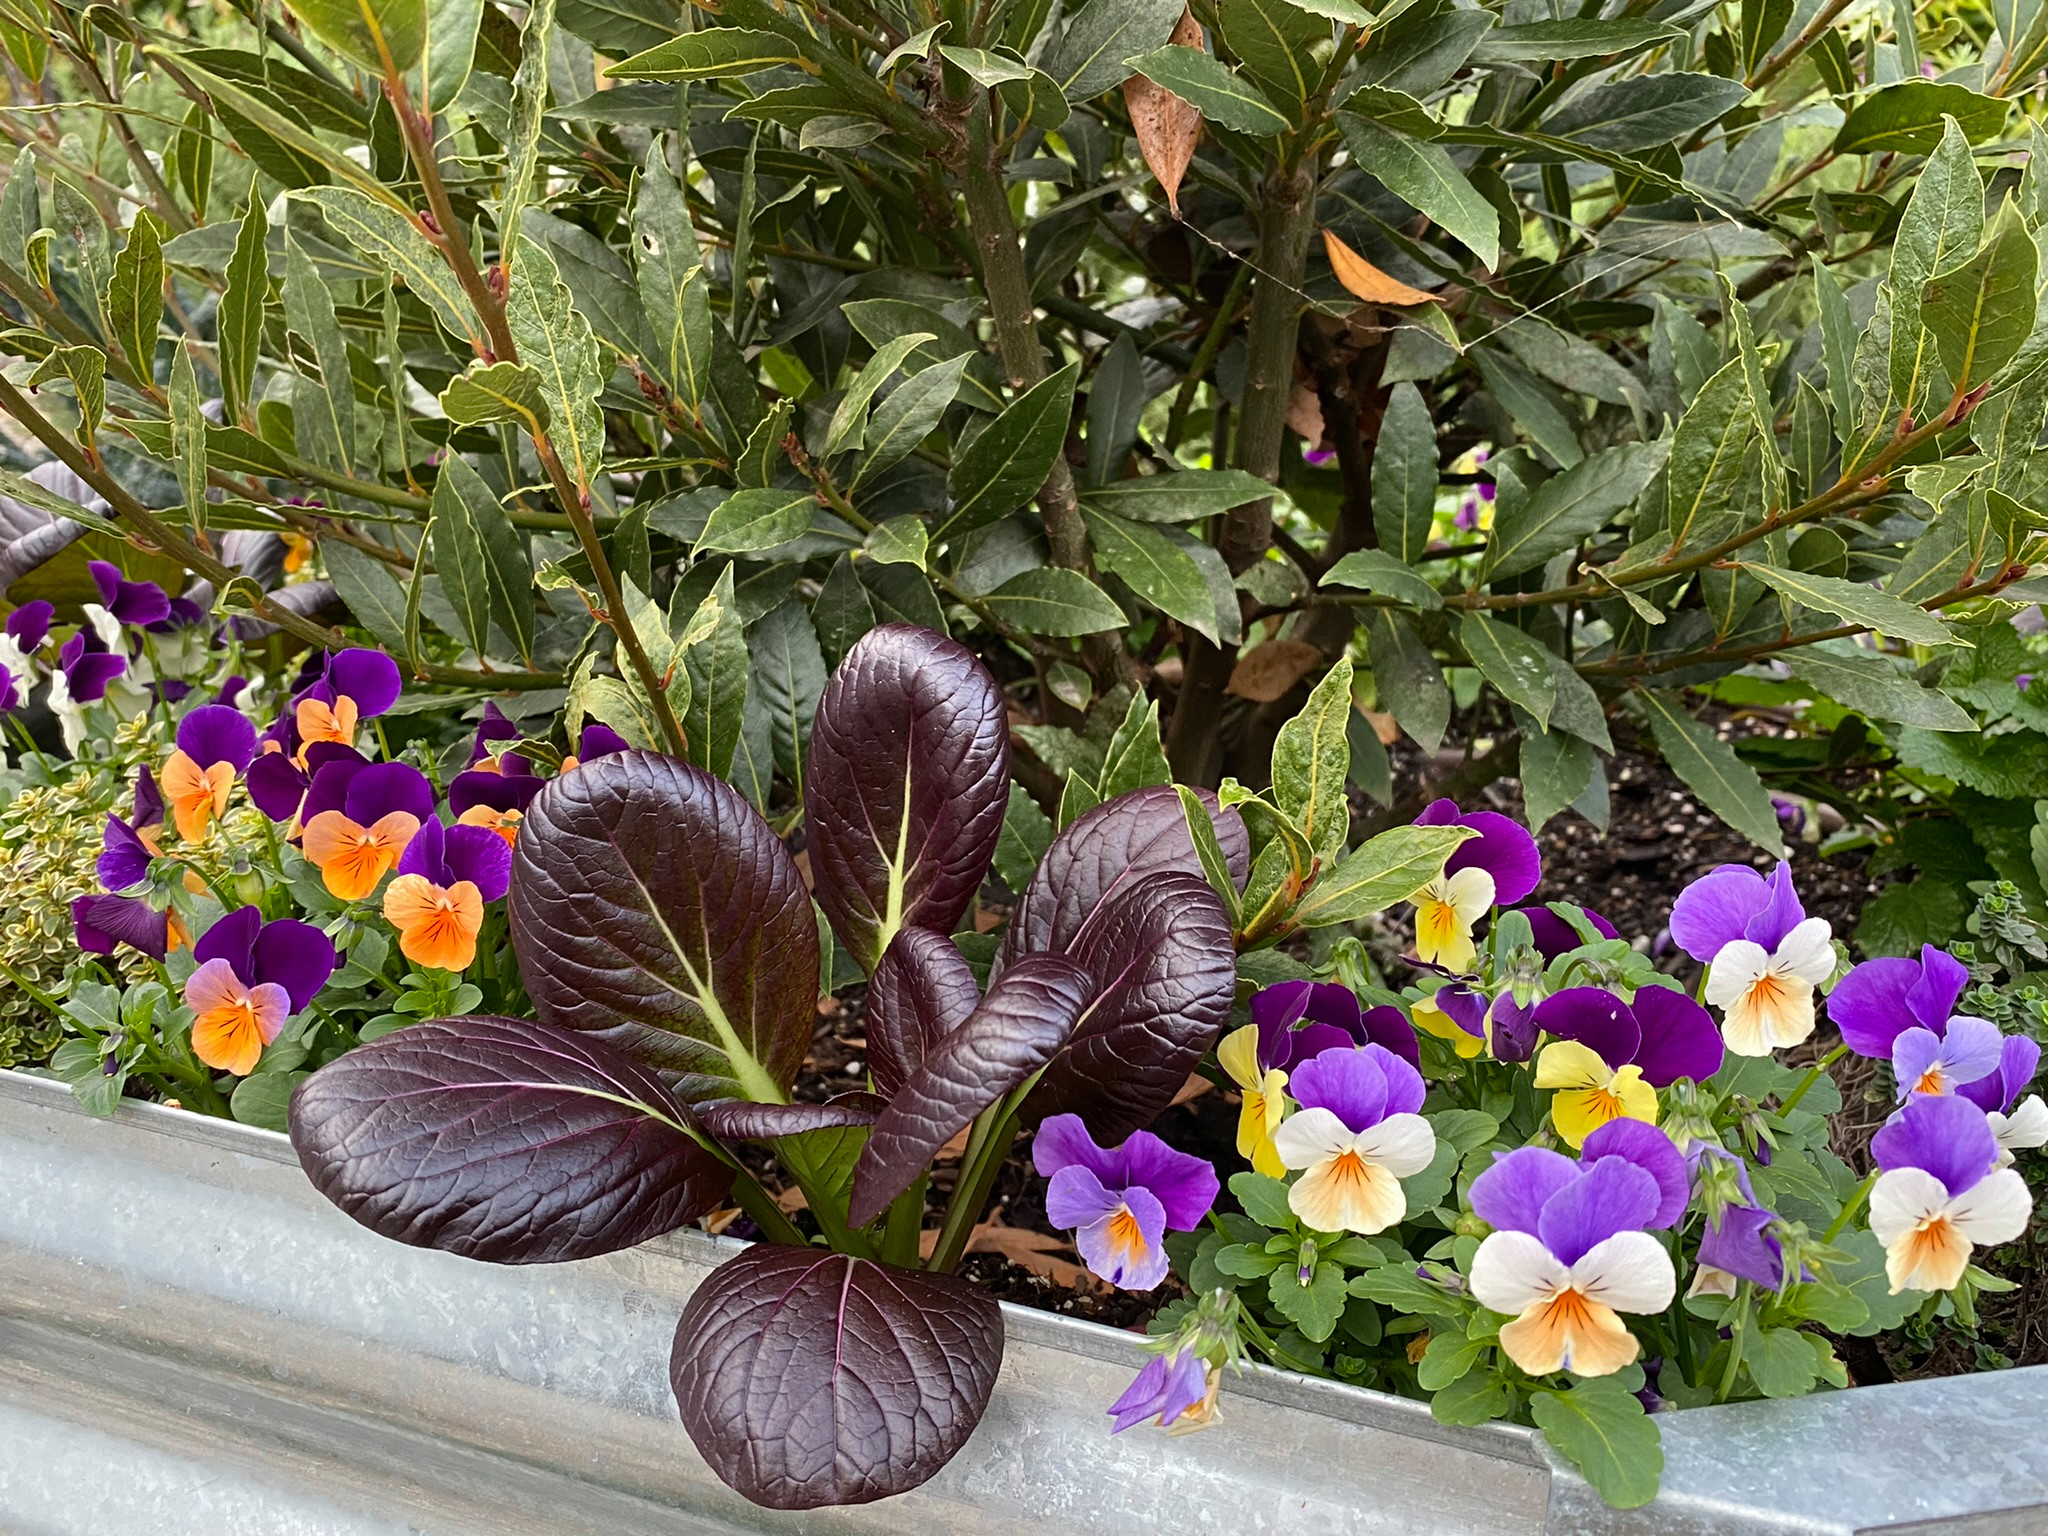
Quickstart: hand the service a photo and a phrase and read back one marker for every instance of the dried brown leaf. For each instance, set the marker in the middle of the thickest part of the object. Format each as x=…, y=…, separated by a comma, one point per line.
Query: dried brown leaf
x=1168, y=128
x=1367, y=281
x=1266, y=671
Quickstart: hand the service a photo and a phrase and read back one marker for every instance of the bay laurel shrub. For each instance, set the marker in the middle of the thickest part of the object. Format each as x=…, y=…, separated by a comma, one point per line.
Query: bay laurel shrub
x=1151, y=384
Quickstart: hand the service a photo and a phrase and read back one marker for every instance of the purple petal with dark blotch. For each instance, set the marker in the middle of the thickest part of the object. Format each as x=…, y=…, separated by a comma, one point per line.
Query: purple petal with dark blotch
x=30, y=624
x=1028, y=1015
x=1351, y=1085
x=1679, y=1037
x=1651, y=1150
x=366, y=676
x=1185, y=1185
x=1511, y=1192
x=1933, y=997
x=381, y=788
x=213, y=733
x=277, y=785
x=1715, y=910
x=1612, y=1195
x=645, y=888
x=810, y=1379
x=920, y=993
x=293, y=955
x=502, y=1139
x=232, y=938
x=499, y=791
x=1780, y=912
x=1946, y=1135
x=1505, y=850
x=1869, y=1005
x=1594, y=1017
x=738, y=1120
x=480, y=856
x=905, y=786
x=123, y=861
x=101, y=922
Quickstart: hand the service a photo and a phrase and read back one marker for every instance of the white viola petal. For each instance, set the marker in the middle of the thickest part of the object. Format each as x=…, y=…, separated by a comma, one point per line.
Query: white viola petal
x=1807, y=952
x=1311, y=1136
x=1470, y=894
x=2026, y=1126
x=1709, y=1281
x=1784, y=1008
x=1629, y=1272
x=1513, y=1271
x=1738, y=967
x=1402, y=1144
x=1994, y=1210
x=1901, y=1199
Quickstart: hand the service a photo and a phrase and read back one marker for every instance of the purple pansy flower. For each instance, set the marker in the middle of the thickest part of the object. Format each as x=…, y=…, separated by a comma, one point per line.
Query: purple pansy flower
x=129, y=602
x=1571, y=1250
x=1120, y=1201
x=1357, y=1134
x=1554, y=936
x=99, y=923
x=1881, y=999
x=496, y=788
x=287, y=953
x=447, y=856
x=1497, y=868
x=1924, y=1062
x=1168, y=1387
x=358, y=818
x=128, y=846
x=2016, y=1124
x=1740, y=1241
x=596, y=741
x=1766, y=955
x=1610, y=1057
x=278, y=784
x=355, y=685
x=87, y=667
x=1942, y=1193
x=29, y=625
x=1298, y=1020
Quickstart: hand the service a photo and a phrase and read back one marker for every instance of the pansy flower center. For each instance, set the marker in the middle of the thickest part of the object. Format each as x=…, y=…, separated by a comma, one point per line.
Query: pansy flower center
x=1125, y=1237
x=1933, y=1080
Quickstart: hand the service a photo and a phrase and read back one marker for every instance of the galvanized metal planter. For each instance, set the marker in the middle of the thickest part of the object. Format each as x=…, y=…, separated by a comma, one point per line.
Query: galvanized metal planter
x=192, y=1340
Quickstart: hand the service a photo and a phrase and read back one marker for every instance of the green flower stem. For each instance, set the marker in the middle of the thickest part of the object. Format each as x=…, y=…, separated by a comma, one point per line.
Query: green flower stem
x=1735, y=1338
x=1849, y=1208
x=1813, y=1075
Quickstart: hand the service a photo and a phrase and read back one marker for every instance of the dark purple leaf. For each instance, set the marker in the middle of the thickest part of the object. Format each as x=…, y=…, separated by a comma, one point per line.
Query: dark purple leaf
x=918, y=995
x=502, y=1139
x=653, y=907
x=738, y=1120
x=809, y=1379
x=1027, y=1016
x=1120, y=844
x=1162, y=955
x=904, y=792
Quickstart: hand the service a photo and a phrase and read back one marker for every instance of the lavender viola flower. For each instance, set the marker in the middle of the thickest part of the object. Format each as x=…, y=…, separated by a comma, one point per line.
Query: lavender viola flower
x=1497, y=868
x=1740, y=1241
x=215, y=744
x=100, y=923
x=355, y=685
x=358, y=841
x=1357, y=1134
x=1572, y=1249
x=1880, y=1000
x=136, y=603
x=1293, y=1022
x=1168, y=1387
x=1121, y=1201
x=1765, y=955
x=1966, y=1052
x=252, y=976
x=127, y=846
x=1609, y=1058
x=2016, y=1124
x=1942, y=1192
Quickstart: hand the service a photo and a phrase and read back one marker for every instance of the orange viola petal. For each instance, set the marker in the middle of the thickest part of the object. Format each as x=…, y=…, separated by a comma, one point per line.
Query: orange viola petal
x=437, y=927
x=1367, y=281
x=233, y=1023
x=504, y=823
x=176, y=935
x=197, y=796
x=318, y=721
x=353, y=858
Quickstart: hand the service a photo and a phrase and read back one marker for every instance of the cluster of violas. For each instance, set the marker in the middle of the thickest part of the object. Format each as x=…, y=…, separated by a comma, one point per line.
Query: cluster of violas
x=1332, y=1100
x=366, y=826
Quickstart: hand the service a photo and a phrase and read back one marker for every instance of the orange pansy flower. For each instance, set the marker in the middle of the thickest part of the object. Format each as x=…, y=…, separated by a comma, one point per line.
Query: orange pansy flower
x=352, y=858
x=198, y=796
x=318, y=721
x=232, y=1023
x=437, y=926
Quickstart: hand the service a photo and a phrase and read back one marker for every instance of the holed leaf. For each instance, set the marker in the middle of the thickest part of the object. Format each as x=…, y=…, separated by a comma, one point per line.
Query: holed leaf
x=1029, y=1013
x=502, y=1139
x=922, y=991
x=907, y=782
x=652, y=906
x=809, y=1379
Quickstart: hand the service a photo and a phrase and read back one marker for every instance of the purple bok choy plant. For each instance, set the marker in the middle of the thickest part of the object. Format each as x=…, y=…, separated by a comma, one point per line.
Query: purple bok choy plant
x=672, y=957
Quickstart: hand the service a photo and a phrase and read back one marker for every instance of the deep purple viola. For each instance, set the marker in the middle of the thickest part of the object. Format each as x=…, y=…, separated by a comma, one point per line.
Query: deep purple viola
x=86, y=667
x=127, y=846
x=252, y=976
x=29, y=625
x=1609, y=1058
x=446, y=877
x=497, y=787
x=355, y=685
x=140, y=603
x=1121, y=1201
x=278, y=782
x=358, y=818
x=1765, y=955
x=1554, y=936
x=596, y=741
x=101, y=923
x=1499, y=867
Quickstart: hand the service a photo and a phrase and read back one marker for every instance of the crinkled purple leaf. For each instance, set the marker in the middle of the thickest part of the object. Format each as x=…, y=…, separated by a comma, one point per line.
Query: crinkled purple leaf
x=653, y=907
x=502, y=1139
x=1166, y=971
x=1120, y=844
x=737, y=1120
x=905, y=789
x=919, y=994
x=810, y=1379
x=1029, y=1013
